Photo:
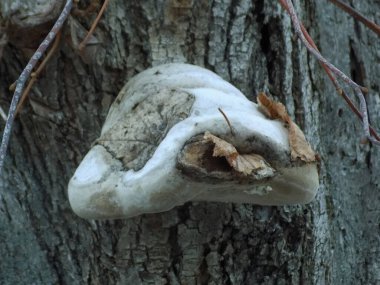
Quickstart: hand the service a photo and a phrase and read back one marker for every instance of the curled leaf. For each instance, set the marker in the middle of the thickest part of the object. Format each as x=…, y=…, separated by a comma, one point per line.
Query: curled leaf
x=272, y=109
x=299, y=147
x=243, y=163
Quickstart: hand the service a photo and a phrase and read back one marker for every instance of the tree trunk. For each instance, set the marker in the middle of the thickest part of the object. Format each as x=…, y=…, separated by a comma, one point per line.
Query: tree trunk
x=333, y=240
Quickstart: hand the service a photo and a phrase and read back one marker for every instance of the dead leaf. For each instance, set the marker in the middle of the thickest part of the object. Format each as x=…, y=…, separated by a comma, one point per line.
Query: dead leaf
x=299, y=147
x=246, y=163
x=222, y=148
x=243, y=163
x=272, y=109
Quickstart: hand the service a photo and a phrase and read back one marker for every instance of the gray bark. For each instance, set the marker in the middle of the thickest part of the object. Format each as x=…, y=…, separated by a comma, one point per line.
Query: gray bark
x=334, y=240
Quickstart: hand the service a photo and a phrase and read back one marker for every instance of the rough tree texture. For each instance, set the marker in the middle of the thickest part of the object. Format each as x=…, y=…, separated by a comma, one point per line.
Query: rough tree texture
x=334, y=240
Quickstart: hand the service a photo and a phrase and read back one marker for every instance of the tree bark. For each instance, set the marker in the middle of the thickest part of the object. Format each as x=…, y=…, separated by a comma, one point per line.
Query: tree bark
x=333, y=240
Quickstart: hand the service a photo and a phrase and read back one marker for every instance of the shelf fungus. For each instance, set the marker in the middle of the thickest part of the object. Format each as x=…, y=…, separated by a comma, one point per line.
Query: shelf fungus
x=179, y=133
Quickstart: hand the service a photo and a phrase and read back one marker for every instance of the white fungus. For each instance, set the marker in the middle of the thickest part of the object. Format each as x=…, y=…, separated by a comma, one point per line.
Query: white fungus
x=138, y=167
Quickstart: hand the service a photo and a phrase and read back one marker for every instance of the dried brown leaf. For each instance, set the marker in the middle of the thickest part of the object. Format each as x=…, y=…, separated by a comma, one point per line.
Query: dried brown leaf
x=222, y=148
x=273, y=110
x=247, y=163
x=299, y=147
x=243, y=163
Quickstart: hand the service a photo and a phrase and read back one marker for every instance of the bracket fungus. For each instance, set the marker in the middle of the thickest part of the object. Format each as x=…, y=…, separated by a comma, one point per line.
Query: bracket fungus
x=179, y=133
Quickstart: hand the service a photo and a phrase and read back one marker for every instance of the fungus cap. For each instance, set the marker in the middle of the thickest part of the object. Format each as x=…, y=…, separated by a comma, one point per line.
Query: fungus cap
x=179, y=133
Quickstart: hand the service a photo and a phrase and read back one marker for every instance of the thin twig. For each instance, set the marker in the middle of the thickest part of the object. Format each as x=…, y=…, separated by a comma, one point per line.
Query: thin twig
x=25, y=75
x=227, y=120
x=34, y=75
x=335, y=82
x=93, y=26
x=348, y=9
x=287, y=4
x=357, y=112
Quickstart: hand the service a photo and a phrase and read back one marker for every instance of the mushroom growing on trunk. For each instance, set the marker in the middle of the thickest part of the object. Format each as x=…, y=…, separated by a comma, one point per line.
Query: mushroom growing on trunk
x=179, y=133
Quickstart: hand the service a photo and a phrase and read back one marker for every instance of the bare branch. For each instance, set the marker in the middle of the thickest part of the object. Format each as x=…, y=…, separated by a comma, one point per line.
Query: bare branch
x=287, y=4
x=348, y=9
x=34, y=75
x=93, y=26
x=340, y=91
x=25, y=75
